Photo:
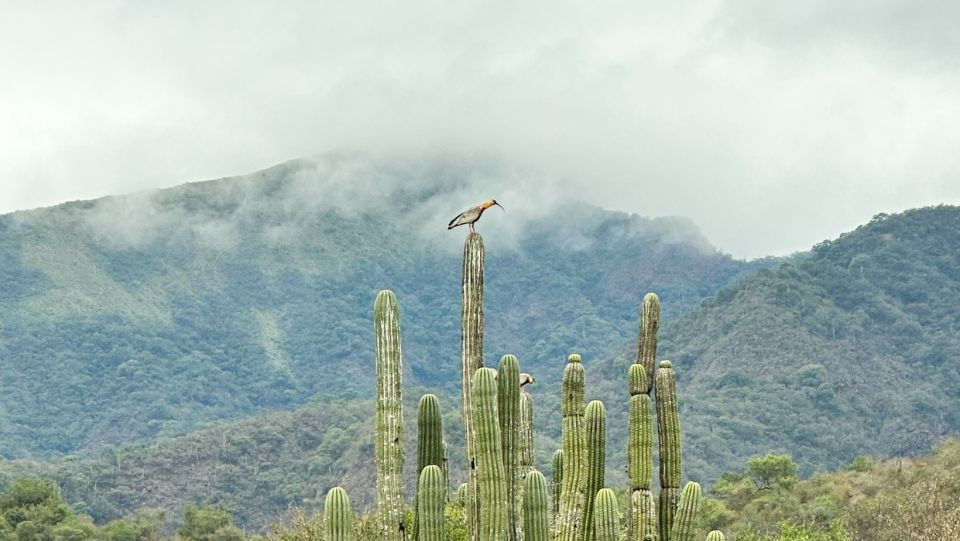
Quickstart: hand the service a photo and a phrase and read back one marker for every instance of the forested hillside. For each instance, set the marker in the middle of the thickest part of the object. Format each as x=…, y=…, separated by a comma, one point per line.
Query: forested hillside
x=148, y=315
x=850, y=349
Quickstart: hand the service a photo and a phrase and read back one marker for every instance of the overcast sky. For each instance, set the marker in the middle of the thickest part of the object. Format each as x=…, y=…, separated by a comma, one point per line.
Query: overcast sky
x=773, y=125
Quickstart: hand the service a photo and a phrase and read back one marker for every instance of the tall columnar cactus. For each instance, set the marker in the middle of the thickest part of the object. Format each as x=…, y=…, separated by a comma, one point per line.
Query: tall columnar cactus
x=647, y=343
x=596, y=421
x=666, y=509
x=684, y=522
x=337, y=516
x=716, y=535
x=526, y=433
x=557, y=481
x=431, y=498
x=430, y=446
x=508, y=410
x=463, y=491
x=491, y=478
x=641, y=512
x=389, y=429
x=668, y=432
x=606, y=522
x=571, y=497
x=643, y=516
x=536, y=521
x=471, y=355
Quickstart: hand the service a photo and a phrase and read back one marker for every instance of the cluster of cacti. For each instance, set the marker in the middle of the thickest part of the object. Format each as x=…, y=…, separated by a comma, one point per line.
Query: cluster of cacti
x=505, y=498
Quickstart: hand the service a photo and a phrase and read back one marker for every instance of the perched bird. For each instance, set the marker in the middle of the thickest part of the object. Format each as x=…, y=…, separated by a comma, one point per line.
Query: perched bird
x=525, y=379
x=472, y=214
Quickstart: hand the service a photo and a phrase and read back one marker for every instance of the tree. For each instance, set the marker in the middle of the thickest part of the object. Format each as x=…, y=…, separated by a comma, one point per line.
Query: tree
x=772, y=470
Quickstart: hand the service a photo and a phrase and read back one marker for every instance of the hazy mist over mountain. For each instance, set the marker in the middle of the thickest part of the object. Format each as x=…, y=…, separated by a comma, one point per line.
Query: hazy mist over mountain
x=772, y=126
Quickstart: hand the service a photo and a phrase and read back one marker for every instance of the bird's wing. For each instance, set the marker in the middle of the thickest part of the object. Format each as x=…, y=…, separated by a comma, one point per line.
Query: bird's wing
x=455, y=221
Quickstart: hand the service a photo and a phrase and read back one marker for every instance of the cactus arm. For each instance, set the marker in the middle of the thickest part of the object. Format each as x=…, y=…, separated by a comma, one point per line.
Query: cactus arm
x=606, y=522
x=571, y=496
x=508, y=411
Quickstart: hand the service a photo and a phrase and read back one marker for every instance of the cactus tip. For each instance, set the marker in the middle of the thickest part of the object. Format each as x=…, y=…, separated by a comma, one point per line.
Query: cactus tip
x=666, y=364
x=573, y=358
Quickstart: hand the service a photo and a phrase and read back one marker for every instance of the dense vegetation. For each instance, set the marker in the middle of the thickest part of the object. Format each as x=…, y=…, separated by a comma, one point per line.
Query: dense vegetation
x=129, y=318
x=850, y=349
x=243, y=296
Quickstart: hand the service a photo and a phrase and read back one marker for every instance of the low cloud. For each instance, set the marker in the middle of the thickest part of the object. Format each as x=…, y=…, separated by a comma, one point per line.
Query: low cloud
x=771, y=125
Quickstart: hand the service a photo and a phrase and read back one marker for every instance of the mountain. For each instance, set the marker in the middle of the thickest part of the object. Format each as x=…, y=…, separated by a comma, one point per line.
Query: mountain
x=847, y=350
x=134, y=317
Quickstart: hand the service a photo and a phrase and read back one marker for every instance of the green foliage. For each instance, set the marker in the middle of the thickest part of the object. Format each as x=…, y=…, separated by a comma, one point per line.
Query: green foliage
x=793, y=532
x=208, y=523
x=772, y=470
x=144, y=525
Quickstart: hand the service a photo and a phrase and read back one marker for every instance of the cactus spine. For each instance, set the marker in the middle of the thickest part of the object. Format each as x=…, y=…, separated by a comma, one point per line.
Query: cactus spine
x=557, y=479
x=647, y=343
x=431, y=497
x=642, y=515
x=430, y=447
x=491, y=478
x=536, y=522
x=508, y=411
x=471, y=357
x=596, y=421
x=606, y=523
x=571, y=496
x=668, y=432
x=684, y=522
x=389, y=430
x=716, y=535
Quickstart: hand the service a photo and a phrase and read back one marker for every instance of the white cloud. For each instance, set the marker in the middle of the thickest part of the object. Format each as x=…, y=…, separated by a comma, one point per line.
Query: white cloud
x=772, y=125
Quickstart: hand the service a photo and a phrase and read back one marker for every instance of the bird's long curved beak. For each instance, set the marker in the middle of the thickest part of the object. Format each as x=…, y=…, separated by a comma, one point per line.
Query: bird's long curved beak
x=501, y=207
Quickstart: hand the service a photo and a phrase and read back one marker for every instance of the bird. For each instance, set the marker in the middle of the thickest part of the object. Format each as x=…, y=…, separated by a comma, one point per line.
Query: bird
x=472, y=214
x=525, y=379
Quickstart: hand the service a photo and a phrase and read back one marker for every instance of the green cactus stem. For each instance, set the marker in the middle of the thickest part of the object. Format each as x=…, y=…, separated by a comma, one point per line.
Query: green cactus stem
x=389, y=417
x=508, y=411
x=491, y=477
x=606, y=522
x=596, y=421
x=685, y=519
x=716, y=535
x=471, y=356
x=641, y=512
x=668, y=427
x=666, y=509
x=526, y=433
x=643, y=515
x=430, y=447
x=462, y=492
x=557, y=479
x=431, y=499
x=647, y=343
x=574, y=456
x=337, y=516
x=536, y=520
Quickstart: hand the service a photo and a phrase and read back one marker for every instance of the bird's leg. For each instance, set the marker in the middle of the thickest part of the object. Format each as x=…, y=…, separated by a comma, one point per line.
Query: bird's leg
x=472, y=230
